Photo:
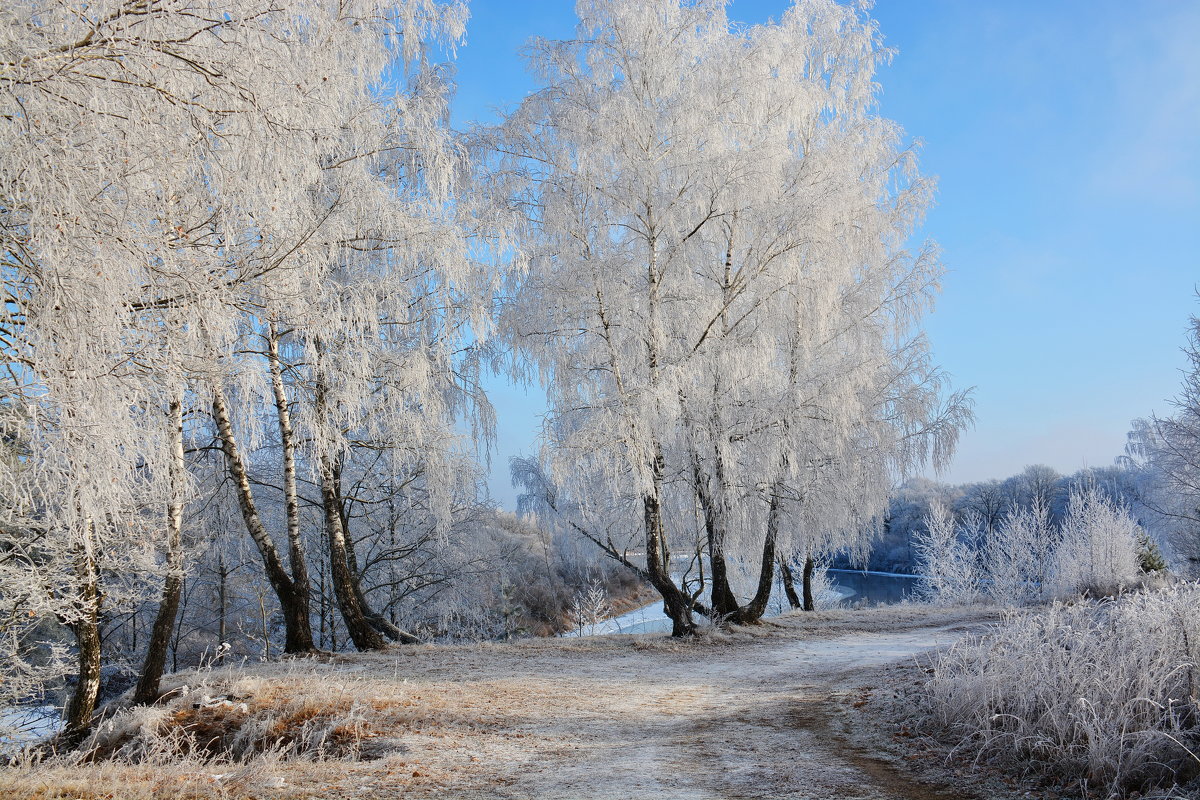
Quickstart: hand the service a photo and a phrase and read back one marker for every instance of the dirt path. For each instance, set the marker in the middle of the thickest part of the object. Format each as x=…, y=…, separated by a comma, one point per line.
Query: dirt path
x=755, y=715
x=754, y=722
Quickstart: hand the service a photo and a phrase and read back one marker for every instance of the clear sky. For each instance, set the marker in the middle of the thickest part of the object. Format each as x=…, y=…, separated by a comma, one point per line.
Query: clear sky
x=1065, y=135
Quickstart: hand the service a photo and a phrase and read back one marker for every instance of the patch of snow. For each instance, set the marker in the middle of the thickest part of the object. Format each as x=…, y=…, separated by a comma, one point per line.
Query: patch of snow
x=25, y=725
x=647, y=619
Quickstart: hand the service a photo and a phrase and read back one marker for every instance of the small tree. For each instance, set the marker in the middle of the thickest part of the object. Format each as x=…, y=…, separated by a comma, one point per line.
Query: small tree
x=1098, y=548
x=589, y=607
x=1017, y=556
x=947, y=564
x=1150, y=557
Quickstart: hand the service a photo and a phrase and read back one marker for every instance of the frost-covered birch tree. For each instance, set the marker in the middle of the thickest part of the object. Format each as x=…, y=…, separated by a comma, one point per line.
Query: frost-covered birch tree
x=1018, y=555
x=1165, y=454
x=174, y=175
x=814, y=274
x=617, y=188
x=1098, y=545
x=947, y=560
x=719, y=297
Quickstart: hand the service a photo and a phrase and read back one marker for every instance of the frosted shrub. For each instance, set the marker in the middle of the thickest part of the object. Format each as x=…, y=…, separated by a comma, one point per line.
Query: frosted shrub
x=589, y=607
x=824, y=595
x=1017, y=554
x=1098, y=552
x=947, y=565
x=1095, y=550
x=1099, y=691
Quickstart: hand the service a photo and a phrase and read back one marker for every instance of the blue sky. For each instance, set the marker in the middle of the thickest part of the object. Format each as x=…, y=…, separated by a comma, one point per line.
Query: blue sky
x=1065, y=135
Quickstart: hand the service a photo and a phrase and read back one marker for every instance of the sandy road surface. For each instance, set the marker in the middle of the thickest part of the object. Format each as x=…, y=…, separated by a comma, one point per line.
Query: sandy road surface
x=749, y=723
x=752, y=715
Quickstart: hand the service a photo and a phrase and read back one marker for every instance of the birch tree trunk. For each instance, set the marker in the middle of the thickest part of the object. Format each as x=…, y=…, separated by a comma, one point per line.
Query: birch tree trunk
x=809, y=605
x=222, y=598
x=296, y=622
x=676, y=604
x=753, y=611
x=300, y=583
x=377, y=620
x=86, y=628
x=147, y=690
x=723, y=602
x=345, y=583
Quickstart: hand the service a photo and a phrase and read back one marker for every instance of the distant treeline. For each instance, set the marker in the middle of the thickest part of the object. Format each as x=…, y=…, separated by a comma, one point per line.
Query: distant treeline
x=992, y=500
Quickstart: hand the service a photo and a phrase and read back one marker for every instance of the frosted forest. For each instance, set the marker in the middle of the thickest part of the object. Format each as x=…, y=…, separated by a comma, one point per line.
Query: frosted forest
x=255, y=282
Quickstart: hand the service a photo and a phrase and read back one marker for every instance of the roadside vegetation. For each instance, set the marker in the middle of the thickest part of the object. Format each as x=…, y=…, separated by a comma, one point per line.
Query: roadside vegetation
x=1096, y=690
x=1097, y=695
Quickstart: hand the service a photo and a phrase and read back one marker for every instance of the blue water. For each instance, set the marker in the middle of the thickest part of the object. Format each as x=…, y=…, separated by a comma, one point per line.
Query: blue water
x=874, y=588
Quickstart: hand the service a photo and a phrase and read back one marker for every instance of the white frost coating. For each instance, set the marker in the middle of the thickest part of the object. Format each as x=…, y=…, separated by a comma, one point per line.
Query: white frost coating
x=1017, y=555
x=172, y=175
x=948, y=566
x=718, y=274
x=1027, y=558
x=1100, y=693
x=1098, y=547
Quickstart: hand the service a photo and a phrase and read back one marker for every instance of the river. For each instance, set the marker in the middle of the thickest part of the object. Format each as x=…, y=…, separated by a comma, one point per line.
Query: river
x=873, y=588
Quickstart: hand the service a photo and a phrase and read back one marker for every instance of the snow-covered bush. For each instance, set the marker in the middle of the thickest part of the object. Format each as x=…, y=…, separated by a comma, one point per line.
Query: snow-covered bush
x=1017, y=556
x=589, y=607
x=825, y=597
x=1096, y=691
x=948, y=565
x=1098, y=552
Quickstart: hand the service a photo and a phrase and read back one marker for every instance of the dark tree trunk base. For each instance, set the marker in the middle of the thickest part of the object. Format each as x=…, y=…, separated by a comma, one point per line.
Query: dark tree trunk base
x=789, y=584
x=809, y=605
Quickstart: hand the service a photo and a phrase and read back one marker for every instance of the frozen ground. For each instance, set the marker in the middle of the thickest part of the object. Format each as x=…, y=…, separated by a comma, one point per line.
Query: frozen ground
x=758, y=713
